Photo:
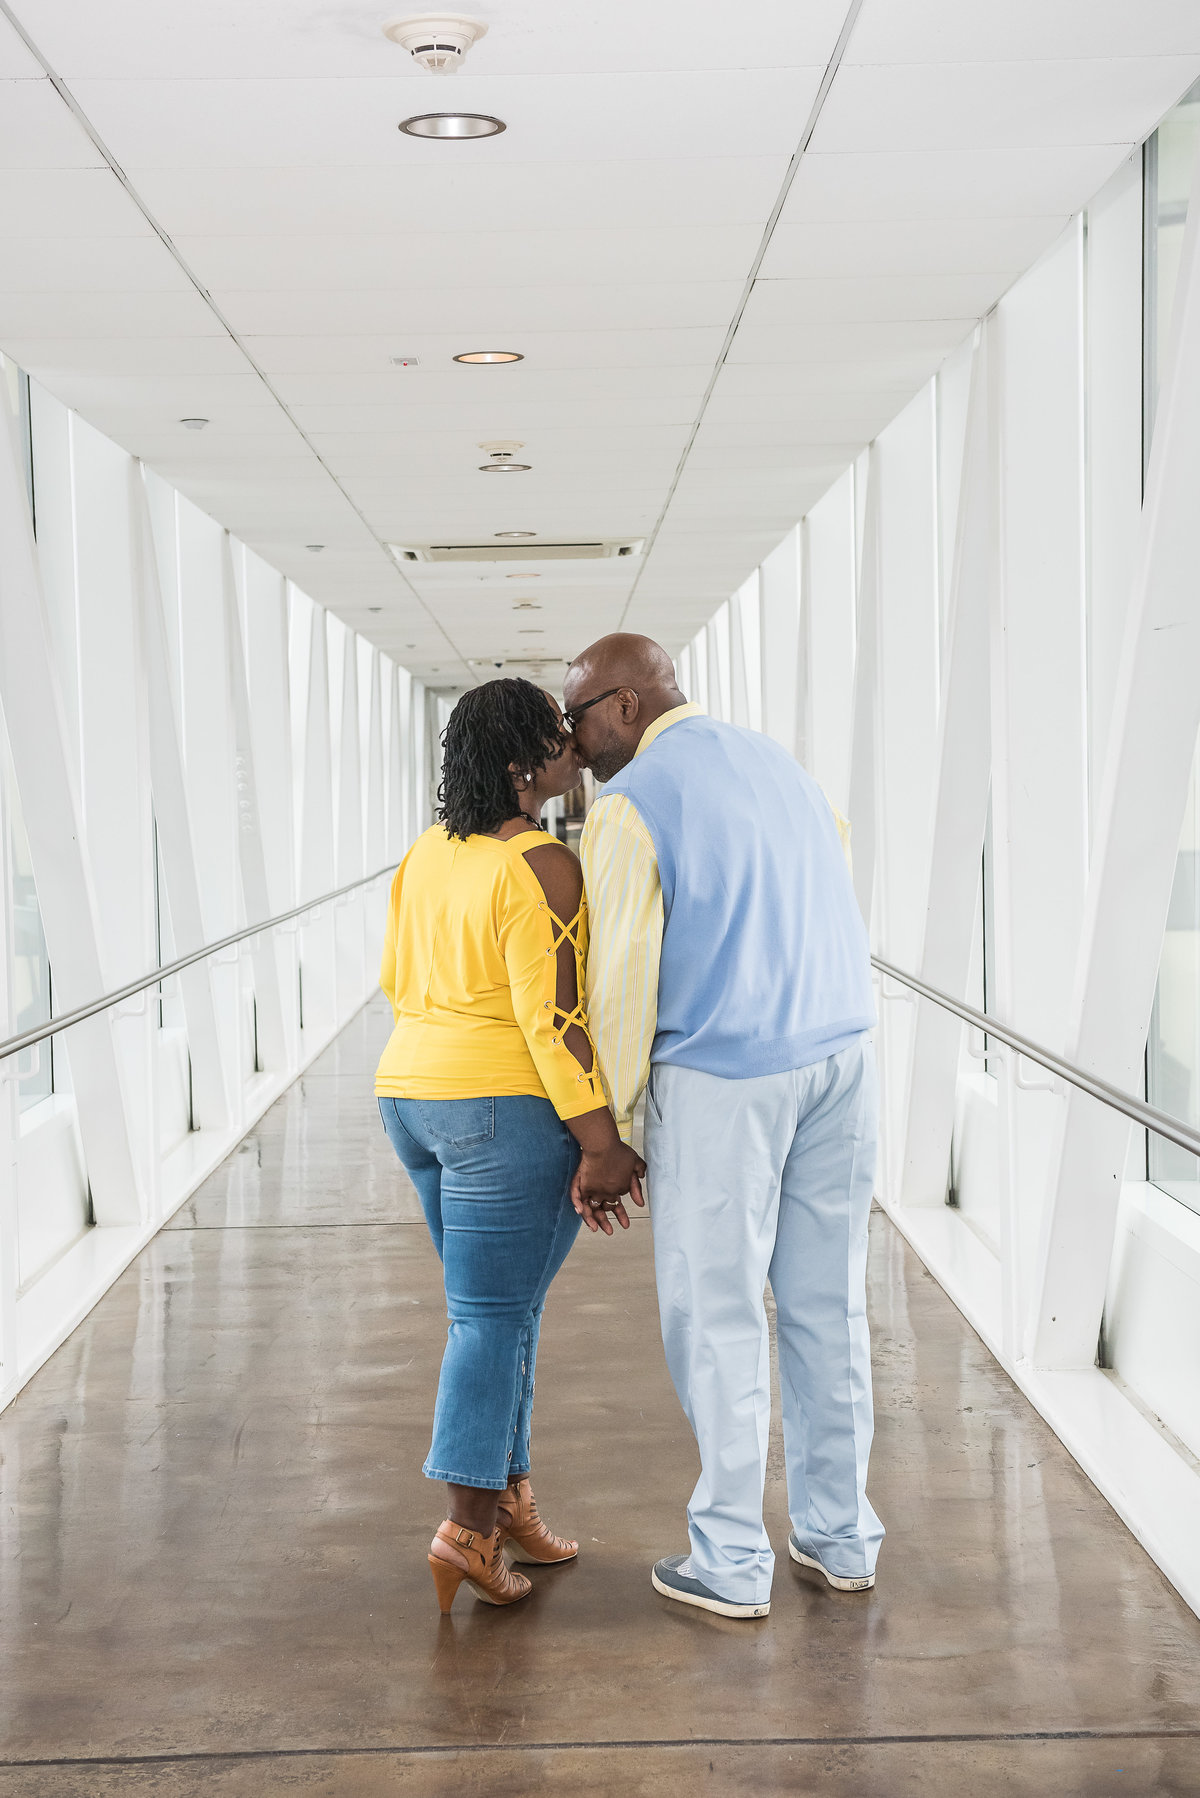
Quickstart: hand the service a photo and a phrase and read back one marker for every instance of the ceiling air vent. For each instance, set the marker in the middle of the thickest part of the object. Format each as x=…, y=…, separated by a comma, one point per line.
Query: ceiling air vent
x=514, y=552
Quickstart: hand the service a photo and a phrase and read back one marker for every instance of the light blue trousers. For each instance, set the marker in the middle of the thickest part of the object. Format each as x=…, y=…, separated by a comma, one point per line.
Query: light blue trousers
x=750, y=1180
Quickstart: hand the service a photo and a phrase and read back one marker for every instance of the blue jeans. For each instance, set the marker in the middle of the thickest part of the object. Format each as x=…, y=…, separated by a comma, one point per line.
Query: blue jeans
x=493, y=1177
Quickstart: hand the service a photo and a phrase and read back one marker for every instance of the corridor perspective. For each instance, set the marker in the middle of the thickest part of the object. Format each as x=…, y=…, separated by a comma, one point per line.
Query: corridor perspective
x=356, y=366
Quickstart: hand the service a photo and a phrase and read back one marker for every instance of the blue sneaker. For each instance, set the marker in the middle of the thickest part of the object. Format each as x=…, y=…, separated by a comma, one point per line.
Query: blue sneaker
x=673, y=1577
x=862, y=1583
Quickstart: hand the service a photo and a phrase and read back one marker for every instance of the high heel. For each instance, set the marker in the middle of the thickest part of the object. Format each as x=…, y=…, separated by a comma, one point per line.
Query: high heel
x=520, y=1524
x=457, y=1554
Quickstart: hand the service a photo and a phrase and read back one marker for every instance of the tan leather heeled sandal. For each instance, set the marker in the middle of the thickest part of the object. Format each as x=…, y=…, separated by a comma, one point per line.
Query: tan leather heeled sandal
x=520, y=1525
x=457, y=1554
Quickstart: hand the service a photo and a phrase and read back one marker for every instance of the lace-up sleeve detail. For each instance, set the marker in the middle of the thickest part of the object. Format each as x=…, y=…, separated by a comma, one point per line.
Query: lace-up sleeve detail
x=546, y=958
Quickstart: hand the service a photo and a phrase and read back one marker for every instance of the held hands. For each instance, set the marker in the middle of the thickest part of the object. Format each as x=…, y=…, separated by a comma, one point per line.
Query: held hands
x=601, y=1182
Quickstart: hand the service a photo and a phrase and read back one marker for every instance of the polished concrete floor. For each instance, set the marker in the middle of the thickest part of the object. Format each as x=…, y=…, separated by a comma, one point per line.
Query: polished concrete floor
x=213, y=1530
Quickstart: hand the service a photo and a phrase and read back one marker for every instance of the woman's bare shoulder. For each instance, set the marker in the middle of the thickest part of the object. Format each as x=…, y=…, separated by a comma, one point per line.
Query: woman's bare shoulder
x=557, y=871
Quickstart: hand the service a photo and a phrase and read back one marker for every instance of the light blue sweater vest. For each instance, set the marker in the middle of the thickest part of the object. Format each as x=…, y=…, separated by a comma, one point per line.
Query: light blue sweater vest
x=765, y=963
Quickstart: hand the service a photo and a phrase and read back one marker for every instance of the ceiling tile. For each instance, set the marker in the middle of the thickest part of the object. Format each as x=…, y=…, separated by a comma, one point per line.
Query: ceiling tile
x=482, y=316
x=67, y=203
x=919, y=247
x=91, y=265
x=447, y=259
x=302, y=122
x=334, y=201
x=546, y=349
x=38, y=130
x=54, y=359
x=944, y=184
x=292, y=38
x=903, y=31
x=80, y=314
x=872, y=298
x=999, y=105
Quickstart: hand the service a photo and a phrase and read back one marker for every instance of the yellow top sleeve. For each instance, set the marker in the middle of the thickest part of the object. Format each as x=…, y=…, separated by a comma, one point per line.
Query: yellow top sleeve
x=532, y=942
x=625, y=912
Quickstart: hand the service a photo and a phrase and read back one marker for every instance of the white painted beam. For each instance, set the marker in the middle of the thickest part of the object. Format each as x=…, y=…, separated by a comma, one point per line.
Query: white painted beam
x=1156, y=719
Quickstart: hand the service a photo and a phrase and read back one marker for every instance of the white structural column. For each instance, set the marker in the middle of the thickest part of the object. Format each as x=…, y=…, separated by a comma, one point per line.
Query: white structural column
x=903, y=474
x=1156, y=718
x=252, y=859
x=784, y=697
x=421, y=782
x=399, y=802
x=34, y=716
x=266, y=647
x=316, y=835
x=864, y=776
x=115, y=764
x=349, y=911
x=1039, y=758
x=744, y=673
x=10, y=1258
x=828, y=589
x=376, y=830
x=964, y=750
x=1114, y=440
x=175, y=846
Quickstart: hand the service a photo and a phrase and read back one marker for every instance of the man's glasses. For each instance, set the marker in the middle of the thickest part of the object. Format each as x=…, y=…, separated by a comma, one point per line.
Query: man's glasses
x=571, y=718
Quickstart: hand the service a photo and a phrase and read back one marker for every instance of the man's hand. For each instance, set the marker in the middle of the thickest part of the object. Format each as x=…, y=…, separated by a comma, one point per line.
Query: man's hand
x=601, y=1182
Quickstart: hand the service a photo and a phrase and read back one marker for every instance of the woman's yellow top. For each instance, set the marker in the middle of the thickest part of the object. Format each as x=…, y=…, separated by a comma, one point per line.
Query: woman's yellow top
x=470, y=964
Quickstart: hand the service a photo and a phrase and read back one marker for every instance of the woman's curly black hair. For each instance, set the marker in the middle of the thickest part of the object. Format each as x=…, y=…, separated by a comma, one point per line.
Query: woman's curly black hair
x=501, y=722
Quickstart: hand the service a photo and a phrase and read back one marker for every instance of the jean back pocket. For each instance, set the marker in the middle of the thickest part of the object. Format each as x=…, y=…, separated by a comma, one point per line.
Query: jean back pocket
x=457, y=1123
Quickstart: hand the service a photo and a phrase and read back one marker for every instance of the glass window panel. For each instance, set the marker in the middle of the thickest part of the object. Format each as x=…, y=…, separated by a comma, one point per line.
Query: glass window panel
x=1173, y=1060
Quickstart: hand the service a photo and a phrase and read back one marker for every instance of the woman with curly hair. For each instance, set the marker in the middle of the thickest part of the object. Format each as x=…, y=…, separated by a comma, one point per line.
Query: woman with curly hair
x=490, y=1095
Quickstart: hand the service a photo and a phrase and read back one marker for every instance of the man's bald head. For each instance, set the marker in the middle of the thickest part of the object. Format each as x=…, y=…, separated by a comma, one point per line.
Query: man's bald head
x=636, y=678
x=622, y=660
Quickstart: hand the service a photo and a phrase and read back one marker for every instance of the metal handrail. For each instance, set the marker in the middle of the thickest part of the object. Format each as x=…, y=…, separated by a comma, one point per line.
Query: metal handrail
x=28, y=1038
x=1161, y=1122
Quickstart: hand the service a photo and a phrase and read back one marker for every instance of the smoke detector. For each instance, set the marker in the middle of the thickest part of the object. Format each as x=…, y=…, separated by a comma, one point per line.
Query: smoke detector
x=438, y=41
x=500, y=455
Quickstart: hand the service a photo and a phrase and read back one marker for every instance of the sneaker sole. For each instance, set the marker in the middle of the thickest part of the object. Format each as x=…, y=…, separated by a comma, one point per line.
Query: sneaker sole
x=719, y=1605
x=839, y=1585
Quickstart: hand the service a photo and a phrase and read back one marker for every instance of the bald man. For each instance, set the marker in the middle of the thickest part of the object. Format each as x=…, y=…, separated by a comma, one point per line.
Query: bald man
x=729, y=976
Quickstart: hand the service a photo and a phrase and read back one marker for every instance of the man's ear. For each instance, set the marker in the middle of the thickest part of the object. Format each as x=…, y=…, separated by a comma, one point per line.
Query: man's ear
x=630, y=705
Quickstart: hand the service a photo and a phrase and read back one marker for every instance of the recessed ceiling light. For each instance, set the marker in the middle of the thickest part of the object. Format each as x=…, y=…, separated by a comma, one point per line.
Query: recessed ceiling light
x=522, y=577
x=452, y=125
x=314, y=546
x=531, y=630
x=490, y=356
x=514, y=533
x=374, y=608
x=193, y=424
x=526, y=605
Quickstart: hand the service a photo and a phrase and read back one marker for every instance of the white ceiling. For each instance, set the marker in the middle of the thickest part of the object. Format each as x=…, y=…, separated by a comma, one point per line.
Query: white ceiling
x=279, y=241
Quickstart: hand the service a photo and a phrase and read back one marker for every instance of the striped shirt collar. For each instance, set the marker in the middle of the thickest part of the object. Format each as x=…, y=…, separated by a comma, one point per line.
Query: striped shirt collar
x=674, y=716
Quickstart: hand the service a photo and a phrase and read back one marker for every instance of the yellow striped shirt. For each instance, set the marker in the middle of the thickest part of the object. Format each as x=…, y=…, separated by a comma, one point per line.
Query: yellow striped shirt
x=625, y=911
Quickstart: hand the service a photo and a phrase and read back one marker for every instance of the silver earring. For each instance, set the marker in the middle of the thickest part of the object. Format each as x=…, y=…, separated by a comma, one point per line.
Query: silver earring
x=529, y=778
